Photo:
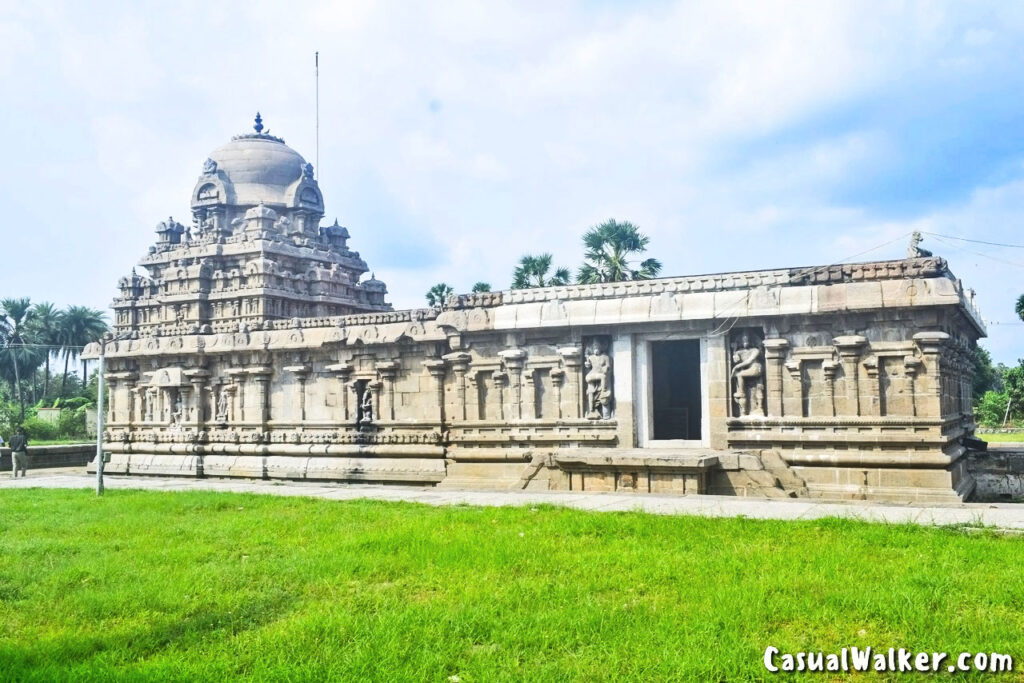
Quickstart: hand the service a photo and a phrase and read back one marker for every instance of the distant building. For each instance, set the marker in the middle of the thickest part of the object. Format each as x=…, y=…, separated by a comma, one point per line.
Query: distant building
x=254, y=348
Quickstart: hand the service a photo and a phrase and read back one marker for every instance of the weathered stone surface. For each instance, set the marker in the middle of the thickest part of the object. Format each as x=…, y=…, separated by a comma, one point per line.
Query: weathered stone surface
x=252, y=349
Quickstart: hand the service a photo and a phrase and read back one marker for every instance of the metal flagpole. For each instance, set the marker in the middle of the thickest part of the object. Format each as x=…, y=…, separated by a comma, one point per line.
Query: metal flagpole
x=317, y=69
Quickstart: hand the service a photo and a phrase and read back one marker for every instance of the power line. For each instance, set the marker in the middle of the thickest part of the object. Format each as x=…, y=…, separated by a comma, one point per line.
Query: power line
x=978, y=253
x=965, y=239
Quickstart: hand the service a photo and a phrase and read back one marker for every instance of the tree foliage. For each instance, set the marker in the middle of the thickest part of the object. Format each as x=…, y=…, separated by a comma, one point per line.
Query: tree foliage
x=80, y=325
x=985, y=376
x=481, y=287
x=610, y=251
x=532, y=271
x=438, y=294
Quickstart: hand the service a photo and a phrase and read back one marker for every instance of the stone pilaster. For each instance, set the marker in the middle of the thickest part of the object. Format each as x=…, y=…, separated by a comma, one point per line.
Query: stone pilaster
x=459, y=362
x=301, y=373
x=793, y=401
x=261, y=375
x=197, y=377
x=557, y=380
x=129, y=397
x=829, y=369
x=912, y=366
x=342, y=371
x=873, y=387
x=514, y=360
x=111, y=399
x=850, y=348
x=387, y=371
x=775, y=356
x=530, y=394
x=930, y=381
x=500, y=380
x=436, y=368
x=572, y=397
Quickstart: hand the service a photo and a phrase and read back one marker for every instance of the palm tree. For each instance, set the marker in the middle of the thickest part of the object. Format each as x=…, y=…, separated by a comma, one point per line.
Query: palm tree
x=438, y=294
x=45, y=328
x=608, y=248
x=481, y=287
x=1020, y=307
x=80, y=326
x=532, y=272
x=15, y=321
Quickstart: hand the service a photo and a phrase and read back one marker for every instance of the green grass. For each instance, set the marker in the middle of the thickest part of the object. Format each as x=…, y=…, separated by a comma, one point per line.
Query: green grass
x=1002, y=438
x=210, y=586
x=59, y=442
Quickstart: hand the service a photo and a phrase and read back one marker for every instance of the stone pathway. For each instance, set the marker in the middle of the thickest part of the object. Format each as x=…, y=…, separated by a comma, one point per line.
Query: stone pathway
x=1005, y=516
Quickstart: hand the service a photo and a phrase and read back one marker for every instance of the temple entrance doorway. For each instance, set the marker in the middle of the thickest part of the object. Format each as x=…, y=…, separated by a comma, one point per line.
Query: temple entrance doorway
x=675, y=390
x=671, y=393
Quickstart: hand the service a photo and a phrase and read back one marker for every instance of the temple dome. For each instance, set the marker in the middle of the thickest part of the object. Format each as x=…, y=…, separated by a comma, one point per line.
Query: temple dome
x=257, y=168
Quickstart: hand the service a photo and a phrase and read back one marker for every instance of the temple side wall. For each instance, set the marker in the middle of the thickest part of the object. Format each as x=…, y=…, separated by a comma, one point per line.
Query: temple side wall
x=862, y=387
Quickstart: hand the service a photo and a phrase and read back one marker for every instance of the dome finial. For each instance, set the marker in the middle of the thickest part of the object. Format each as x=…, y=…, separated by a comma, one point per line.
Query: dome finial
x=259, y=124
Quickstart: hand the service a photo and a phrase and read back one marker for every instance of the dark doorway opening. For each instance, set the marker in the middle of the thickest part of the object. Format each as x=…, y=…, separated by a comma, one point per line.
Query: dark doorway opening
x=675, y=376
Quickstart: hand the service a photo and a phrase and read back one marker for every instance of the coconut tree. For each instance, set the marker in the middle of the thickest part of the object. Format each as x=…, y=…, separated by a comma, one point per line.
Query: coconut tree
x=438, y=294
x=45, y=327
x=481, y=287
x=532, y=271
x=609, y=248
x=1020, y=307
x=80, y=325
x=18, y=355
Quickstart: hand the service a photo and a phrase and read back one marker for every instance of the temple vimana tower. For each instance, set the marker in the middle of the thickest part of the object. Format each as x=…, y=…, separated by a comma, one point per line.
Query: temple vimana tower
x=255, y=250
x=254, y=345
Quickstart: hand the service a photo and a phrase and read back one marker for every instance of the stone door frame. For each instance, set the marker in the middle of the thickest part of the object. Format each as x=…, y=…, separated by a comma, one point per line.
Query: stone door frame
x=644, y=386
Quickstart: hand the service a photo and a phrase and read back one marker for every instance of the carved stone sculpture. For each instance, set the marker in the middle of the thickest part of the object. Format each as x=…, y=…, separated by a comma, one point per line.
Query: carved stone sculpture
x=366, y=422
x=748, y=378
x=222, y=406
x=179, y=412
x=914, y=250
x=598, y=369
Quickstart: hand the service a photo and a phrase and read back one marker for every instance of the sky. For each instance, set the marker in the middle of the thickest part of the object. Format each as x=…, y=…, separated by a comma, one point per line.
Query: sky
x=457, y=136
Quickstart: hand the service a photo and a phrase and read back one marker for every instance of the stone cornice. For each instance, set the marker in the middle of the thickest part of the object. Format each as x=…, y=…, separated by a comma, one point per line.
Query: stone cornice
x=784, y=277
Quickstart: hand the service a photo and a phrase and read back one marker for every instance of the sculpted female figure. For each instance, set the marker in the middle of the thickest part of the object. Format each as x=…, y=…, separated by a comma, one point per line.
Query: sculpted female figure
x=748, y=378
x=598, y=378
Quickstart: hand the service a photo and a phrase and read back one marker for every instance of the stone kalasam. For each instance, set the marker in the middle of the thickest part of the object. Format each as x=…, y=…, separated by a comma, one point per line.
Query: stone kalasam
x=255, y=347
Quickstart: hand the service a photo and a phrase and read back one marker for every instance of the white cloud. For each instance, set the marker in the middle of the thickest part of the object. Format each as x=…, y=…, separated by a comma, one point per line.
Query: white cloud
x=492, y=129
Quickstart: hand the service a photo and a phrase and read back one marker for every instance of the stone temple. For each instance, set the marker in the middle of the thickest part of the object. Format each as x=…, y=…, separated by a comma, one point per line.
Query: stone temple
x=256, y=347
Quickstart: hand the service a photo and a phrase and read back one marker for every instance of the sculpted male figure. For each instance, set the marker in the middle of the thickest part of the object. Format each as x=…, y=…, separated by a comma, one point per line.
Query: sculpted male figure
x=599, y=374
x=367, y=407
x=748, y=373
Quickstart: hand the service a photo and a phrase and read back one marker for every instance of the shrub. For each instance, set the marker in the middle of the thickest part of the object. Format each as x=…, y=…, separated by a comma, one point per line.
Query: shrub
x=39, y=430
x=71, y=423
x=991, y=408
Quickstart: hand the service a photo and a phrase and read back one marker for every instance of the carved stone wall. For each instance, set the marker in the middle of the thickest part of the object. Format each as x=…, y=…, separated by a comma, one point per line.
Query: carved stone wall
x=860, y=399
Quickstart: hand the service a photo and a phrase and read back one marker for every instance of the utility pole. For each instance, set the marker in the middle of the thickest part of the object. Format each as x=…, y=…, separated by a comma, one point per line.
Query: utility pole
x=100, y=387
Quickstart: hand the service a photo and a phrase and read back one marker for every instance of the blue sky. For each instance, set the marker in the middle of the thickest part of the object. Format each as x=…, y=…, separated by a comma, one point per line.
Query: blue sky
x=457, y=136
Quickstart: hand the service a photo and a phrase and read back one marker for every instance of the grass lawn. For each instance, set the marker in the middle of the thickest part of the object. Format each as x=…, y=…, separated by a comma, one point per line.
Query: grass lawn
x=212, y=586
x=59, y=442
x=1002, y=438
